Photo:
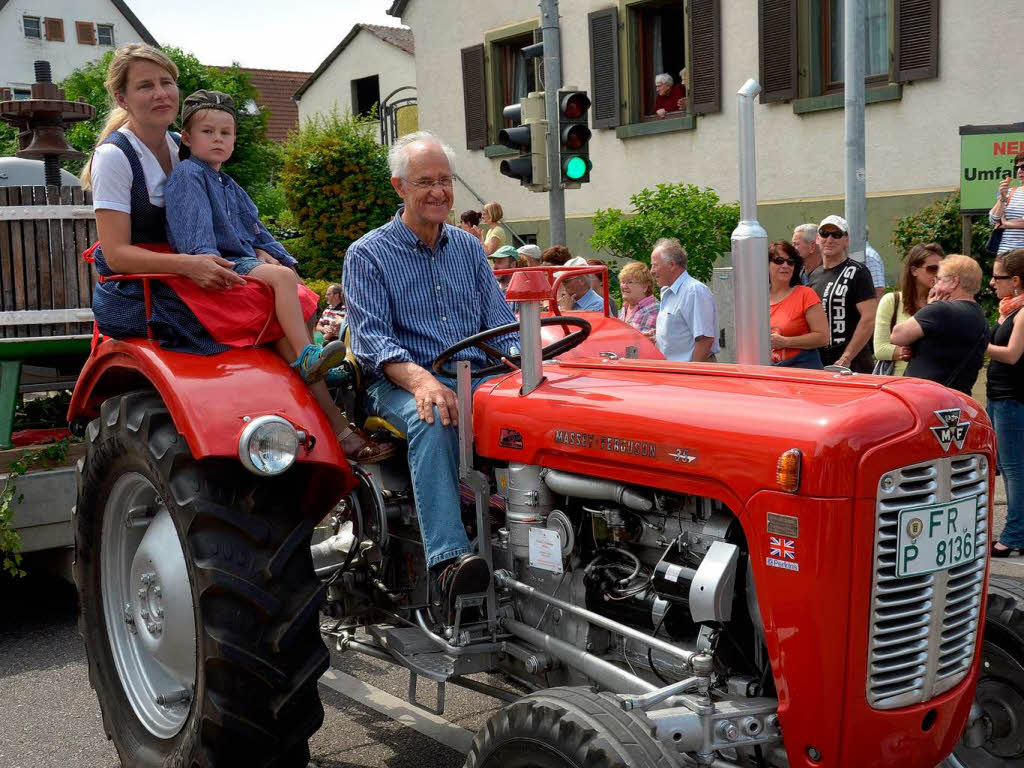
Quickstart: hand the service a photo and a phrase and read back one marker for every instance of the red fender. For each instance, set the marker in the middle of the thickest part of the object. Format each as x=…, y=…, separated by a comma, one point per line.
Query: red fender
x=209, y=396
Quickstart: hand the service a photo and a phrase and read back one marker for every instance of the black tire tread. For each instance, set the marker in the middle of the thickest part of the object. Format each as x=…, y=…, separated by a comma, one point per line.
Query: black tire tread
x=591, y=728
x=257, y=700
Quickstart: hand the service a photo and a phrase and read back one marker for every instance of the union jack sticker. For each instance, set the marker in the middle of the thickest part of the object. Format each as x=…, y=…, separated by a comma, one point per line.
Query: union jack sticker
x=782, y=553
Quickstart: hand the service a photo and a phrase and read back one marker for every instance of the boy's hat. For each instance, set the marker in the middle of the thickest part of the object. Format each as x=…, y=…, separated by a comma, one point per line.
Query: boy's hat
x=206, y=100
x=505, y=252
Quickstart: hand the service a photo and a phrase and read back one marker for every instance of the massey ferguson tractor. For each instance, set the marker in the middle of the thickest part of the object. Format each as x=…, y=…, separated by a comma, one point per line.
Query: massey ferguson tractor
x=736, y=566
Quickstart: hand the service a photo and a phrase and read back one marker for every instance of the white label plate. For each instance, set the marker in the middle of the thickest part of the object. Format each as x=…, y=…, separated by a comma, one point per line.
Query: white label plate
x=545, y=549
x=935, y=537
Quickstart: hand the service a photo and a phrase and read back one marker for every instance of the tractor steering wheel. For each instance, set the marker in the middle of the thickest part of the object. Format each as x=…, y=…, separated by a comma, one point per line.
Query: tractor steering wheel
x=502, y=362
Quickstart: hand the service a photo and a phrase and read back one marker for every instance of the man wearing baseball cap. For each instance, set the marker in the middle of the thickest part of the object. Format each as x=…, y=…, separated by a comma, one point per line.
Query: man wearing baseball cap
x=848, y=296
x=531, y=253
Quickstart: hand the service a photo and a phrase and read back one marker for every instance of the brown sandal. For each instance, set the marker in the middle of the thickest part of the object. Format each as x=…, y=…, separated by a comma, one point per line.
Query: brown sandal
x=363, y=449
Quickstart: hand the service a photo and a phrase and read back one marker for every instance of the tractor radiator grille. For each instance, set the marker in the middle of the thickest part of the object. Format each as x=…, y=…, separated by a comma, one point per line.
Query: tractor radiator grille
x=923, y=627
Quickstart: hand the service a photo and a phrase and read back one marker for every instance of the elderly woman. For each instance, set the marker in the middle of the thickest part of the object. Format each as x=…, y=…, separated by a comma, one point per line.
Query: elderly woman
x=669, y=95
x=1005, y=391
x=919, y=272
x=494, y=235
x=798, y=325
x=948, y=337
x=639, y=307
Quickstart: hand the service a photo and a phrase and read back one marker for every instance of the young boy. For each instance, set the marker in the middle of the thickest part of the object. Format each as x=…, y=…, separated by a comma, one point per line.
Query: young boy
x=207, y=212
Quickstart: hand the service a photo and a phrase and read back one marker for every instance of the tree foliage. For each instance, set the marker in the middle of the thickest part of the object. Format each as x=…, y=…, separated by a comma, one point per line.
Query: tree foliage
x=337, y=186
x=255, y=158
x=695, y=217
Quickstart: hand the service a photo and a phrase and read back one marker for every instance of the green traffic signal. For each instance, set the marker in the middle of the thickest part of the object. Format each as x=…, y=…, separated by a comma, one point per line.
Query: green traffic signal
x=575, y=168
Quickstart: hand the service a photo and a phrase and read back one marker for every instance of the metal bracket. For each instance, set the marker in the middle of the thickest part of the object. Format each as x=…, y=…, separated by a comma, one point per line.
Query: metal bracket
x=438, y=708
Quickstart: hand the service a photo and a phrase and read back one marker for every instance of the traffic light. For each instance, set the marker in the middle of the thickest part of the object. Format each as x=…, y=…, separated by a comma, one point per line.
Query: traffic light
x=574, y=137
x=529, y=136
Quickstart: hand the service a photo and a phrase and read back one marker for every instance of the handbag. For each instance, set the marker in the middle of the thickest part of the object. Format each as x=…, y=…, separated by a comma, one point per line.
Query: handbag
x=888, y=367
x=994, y=240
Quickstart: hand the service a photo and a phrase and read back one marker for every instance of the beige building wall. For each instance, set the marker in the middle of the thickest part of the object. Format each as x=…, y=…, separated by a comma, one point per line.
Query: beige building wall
x=364, y=56
x=912, y=144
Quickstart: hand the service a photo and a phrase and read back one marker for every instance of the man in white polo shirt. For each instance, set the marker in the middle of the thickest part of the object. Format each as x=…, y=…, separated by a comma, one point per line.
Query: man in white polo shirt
x=687, y=327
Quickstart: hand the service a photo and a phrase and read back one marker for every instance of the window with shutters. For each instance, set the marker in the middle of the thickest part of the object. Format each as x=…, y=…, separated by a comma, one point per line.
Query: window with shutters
x=32, y=26
x=54, y=29
x=495, y=75
x=833, y=51
x=513, y=77
x=660, y=57
x=105, y=34
x=86, y=32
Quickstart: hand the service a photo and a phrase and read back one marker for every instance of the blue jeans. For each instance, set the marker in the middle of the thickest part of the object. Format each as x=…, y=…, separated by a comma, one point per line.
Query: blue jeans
x=433, y=465
x=1008, y=418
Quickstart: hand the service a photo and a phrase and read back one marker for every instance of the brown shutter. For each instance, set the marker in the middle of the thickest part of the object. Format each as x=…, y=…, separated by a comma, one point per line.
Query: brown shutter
x=474, y=96
x=705, y=56
x=86, y=32
x=776, y=38
x=917, y=39
x=604, y=67
x=55, y=30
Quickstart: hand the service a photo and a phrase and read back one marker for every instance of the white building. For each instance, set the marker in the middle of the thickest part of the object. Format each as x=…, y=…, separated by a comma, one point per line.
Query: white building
x=366, y=67
x=931, y=66
x=66, y=33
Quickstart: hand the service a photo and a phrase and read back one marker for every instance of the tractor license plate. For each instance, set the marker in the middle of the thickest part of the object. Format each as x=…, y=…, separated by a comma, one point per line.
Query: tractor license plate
x=936, y=536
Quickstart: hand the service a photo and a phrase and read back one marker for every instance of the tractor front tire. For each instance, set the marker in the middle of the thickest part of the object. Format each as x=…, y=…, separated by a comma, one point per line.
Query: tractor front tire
x=567, y=728
x=1000, y=690
x=199, y=604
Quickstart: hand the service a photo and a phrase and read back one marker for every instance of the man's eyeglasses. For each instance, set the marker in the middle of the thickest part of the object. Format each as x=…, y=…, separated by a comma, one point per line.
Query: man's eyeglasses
x=444, y=183
x=833, y=233
x=779, y=261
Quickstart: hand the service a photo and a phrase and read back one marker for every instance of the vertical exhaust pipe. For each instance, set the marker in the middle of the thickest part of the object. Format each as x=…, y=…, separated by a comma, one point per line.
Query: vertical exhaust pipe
x=750, y=245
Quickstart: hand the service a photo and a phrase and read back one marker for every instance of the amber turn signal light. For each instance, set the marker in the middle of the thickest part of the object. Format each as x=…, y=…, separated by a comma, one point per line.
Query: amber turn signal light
x=787, y=471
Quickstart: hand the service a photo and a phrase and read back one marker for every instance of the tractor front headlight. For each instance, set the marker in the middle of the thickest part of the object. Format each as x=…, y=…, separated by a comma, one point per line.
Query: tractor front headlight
x=268, y=445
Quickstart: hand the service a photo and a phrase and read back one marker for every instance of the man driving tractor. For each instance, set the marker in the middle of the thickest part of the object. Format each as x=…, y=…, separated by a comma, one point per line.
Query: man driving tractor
x=416, y=286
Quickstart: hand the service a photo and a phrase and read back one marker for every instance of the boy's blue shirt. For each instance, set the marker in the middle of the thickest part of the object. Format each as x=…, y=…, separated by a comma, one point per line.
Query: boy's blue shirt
x=207, y=212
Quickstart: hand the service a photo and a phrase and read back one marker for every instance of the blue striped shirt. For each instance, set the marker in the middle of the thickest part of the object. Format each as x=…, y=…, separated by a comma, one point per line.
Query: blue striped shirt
x=207, y=212
x=407, y=303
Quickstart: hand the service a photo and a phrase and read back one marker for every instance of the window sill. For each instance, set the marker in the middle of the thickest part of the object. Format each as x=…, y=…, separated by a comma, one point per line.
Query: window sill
x=890, y=92
x=498, y=150
x=668, y=125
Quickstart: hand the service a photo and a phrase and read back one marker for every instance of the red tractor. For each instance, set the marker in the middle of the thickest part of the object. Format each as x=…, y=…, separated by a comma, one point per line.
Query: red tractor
x=694, y=564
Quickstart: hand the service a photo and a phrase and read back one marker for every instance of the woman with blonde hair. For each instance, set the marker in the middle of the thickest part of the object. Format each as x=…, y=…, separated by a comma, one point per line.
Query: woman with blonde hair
x=639, y=307
x=495, y=236
x=919, y=272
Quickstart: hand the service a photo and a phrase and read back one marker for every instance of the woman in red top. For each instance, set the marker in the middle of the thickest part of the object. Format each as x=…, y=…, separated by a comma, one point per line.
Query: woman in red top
x=798, y=325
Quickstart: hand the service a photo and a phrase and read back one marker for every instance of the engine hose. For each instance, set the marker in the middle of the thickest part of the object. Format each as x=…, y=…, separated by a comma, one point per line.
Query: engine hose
x=596, y=489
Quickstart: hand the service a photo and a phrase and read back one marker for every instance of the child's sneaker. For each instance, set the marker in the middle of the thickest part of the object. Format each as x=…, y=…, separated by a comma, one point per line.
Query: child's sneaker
x=338, y=376
x=314, y=362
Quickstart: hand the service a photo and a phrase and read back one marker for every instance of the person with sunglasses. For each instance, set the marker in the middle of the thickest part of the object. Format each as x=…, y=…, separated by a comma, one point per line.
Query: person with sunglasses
x=798, y=325
x=1008, y=212
x=848, y=297
x=1005, y=394
x=919, y=272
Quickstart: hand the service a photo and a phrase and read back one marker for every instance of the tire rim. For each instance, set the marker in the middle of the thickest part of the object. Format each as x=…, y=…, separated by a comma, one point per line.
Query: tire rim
x=147, y=605
x=1001, y=697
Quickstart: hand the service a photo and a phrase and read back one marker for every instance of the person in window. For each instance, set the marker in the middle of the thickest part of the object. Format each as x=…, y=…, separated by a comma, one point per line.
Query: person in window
x=948, y=338
x=495, y=236
x=1005, y=393
x=683, y=79
x=669, y=95
x=639, y=307
x=919, y=272
x=798, y=325
x=1008, y=212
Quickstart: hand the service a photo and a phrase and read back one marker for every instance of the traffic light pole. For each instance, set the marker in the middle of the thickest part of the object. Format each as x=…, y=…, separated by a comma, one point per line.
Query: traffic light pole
x=552, y=82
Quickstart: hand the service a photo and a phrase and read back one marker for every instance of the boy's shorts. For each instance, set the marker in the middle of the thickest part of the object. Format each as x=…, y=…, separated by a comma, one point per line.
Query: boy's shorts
x=245, y=265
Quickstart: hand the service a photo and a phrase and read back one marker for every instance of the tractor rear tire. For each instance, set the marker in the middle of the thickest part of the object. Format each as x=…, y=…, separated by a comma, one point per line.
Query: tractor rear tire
x=1001, y=682
x=568, y=728
x=199, y=604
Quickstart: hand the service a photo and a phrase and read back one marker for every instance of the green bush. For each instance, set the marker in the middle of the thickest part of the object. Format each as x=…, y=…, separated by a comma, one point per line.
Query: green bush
x=940, y=222
x=337, y=186
x=693, y=216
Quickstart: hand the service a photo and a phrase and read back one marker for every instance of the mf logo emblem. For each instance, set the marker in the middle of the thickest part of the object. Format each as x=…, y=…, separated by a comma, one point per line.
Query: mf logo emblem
x=952, y=430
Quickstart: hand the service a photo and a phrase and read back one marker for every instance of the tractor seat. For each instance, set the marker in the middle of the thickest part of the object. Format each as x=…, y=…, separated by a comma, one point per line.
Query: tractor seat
x=374, y=423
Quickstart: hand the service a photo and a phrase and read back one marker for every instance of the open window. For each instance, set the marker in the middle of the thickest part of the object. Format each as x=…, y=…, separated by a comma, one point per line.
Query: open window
x=33, y=27
x=661, y=50
x=365, y=95
x=876, y=50
x=514, y=76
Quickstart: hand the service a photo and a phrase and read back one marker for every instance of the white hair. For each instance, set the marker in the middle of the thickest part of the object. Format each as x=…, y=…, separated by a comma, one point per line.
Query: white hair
x=671, y=250
x=663, y=79
x=398, y=155
x=808, y=232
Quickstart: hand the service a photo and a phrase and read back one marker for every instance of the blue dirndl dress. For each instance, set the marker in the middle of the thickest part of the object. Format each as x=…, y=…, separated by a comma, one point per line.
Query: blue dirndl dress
x=119, y=307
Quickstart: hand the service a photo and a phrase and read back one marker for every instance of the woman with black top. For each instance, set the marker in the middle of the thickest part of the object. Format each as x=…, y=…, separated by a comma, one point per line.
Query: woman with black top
x=1005, y=390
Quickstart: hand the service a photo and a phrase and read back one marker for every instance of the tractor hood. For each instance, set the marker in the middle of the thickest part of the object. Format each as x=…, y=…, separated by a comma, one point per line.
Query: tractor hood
x=708, y=429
